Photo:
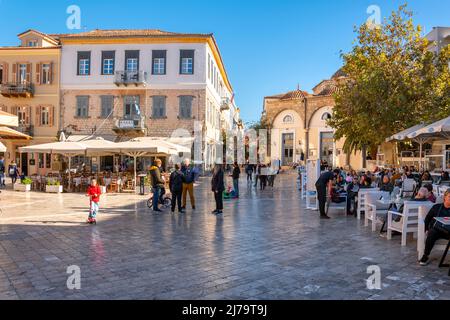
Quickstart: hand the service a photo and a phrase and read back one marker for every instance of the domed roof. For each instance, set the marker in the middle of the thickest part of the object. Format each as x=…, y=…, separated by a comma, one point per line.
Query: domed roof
x=339, y=74
x=294, y=95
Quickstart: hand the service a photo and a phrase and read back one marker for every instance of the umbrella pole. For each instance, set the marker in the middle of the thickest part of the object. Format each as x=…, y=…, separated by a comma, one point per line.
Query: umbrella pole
x=420, y=154
x=135, y=172
x=70, y=165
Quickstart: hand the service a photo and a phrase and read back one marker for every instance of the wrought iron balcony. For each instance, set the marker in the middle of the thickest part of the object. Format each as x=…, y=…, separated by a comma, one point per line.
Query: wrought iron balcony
x=126, y=78
x=26, y=129
x=16, y=90
x=225, y=104
x=130, y=125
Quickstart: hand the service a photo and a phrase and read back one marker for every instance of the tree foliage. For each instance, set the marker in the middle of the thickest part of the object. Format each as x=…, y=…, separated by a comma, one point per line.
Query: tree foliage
x=393, y=82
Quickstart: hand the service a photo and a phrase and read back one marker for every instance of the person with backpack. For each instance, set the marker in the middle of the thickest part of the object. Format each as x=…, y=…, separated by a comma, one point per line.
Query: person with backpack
x=176, y=188
x=188, y=184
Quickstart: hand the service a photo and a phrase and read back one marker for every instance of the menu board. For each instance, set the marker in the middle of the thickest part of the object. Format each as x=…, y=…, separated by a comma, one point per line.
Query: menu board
x=312, y=173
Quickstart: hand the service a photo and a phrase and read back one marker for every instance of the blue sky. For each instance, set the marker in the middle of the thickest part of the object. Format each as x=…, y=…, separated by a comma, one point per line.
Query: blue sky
x=268, y=46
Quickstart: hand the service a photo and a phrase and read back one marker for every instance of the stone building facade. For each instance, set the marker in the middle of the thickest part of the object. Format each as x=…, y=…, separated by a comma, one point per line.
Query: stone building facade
x=297, y=121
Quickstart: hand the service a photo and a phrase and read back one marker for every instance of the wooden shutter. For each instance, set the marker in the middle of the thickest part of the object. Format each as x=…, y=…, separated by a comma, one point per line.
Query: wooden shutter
x=51, y=115
x=50, y=73
x=5, y=72
x=28, y=77
x=27, y=115
x=14, y=72
x=38, y=73
x=14, y=110
x=38, y=116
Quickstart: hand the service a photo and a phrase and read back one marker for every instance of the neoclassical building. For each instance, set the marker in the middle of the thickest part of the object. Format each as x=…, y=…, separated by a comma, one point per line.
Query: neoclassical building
x=298, y=128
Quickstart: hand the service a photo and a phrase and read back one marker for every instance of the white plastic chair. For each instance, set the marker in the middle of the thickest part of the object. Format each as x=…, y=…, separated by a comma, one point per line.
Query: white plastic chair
x=421, y=234
x=409, y=219
x=362, y=198
x=373, y=209
x=408, y=187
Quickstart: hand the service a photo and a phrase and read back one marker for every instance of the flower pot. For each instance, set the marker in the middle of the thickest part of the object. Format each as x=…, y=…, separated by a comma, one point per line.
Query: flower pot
x=54, y=189
x=22, y=187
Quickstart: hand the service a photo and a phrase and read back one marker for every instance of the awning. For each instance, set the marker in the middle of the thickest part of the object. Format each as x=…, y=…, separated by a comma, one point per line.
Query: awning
x=8, y=119
x=439, y=129
x=64, y=148
x=404, y=134
x=2, y=147
x=8, y=133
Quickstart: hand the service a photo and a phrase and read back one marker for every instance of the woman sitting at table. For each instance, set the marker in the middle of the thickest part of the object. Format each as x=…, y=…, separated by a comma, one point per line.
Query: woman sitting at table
x=431, y=196
x=386, y=184
x=352, y=192
x=445, y=178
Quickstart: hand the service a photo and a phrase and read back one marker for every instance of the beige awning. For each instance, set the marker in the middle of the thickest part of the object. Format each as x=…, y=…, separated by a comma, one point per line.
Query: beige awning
x=8, y=133
x=8, y=119
x=2, y=147
x=64, y=148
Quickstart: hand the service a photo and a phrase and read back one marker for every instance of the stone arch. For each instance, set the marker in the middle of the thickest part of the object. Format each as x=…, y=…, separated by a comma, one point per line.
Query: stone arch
x=318, y=119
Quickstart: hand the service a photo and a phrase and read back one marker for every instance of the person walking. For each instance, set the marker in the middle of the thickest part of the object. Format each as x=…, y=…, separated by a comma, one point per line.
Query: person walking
x=188, y=184
x=217, y=187
x=2, y=171
x=235, y=175
x=13, y=172
x=157, y=183
x=249, y=172
x=325, y=181
x=176, y=188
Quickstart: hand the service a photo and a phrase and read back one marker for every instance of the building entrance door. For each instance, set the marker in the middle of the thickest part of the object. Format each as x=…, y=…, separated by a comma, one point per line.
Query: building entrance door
x=326, y=147
x=288, y=149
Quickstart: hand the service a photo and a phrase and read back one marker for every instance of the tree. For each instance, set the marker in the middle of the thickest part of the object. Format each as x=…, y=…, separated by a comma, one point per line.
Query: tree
x=393, y=82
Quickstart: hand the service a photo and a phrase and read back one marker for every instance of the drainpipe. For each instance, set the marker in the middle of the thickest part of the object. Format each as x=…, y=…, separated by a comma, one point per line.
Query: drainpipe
x=306, y=131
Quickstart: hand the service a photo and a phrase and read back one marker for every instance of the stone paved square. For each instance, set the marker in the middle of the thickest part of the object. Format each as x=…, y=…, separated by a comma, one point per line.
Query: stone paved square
x=266, y=246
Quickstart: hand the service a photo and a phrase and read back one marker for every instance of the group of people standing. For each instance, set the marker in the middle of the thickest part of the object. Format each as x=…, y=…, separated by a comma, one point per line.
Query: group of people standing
x=264, y=173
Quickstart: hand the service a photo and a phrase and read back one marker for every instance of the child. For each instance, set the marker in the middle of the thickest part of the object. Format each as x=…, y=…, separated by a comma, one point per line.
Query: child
x=93, y=192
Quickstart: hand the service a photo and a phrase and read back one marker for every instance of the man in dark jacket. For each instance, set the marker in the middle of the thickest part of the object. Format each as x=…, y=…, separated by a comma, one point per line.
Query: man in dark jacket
x=434, y=234
x=235, y=175
x=157, y=183
x=176, y=188
x=188, y=184
x=217, y=186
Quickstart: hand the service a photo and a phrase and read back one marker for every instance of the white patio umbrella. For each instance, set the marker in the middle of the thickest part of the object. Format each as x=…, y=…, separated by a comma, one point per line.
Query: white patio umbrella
x=140, y=147
x=404, y=135
x=439, y=129
x=67, y=149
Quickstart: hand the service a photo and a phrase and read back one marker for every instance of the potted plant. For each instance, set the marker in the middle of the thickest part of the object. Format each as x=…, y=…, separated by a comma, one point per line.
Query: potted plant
x=53, y=186
x=24, y=185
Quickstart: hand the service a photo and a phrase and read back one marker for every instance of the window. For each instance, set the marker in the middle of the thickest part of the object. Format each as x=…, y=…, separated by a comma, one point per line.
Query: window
x=159, y=62
x=22, y=115
x=48, y=160
x=32, y=43
x=84, y=63
x=186, y=107
x=82, y=107
x=131, y=106
x=22, y=73
x=132, y=60
x=107, y=105
x=108, y=62
x=45, y=116
x=326, y=116
x=209, y=66
x=288, y=119
x=41, y=160
x=46, y=73
x=187, y=62
x=159, y=107
x=1, y=73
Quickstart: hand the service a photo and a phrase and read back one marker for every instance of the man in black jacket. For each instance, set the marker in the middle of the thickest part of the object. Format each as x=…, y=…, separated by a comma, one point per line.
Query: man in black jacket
x=434, y=234
x=325, y=181
x=157, y=183
x=176, y=188
x=217, y=186
x=235, y=176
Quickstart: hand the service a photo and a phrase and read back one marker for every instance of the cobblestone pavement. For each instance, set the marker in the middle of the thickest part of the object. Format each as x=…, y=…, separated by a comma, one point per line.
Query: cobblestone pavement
x=266, y=246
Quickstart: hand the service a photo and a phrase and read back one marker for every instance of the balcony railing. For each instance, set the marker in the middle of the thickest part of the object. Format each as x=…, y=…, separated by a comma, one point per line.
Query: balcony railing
x=26, y=129
x=130, y=78
x=16, y=90
x=225, y=104
x=130, y=125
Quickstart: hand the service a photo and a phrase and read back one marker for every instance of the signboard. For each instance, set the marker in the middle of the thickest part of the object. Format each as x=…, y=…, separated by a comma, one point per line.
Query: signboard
x=312, y=173
x=126, y=124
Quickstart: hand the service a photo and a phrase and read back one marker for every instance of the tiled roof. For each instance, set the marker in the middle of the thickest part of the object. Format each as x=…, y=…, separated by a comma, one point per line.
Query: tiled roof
x=293, y=95
x=328, y=90
x=338, y=74
x=125, y=33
